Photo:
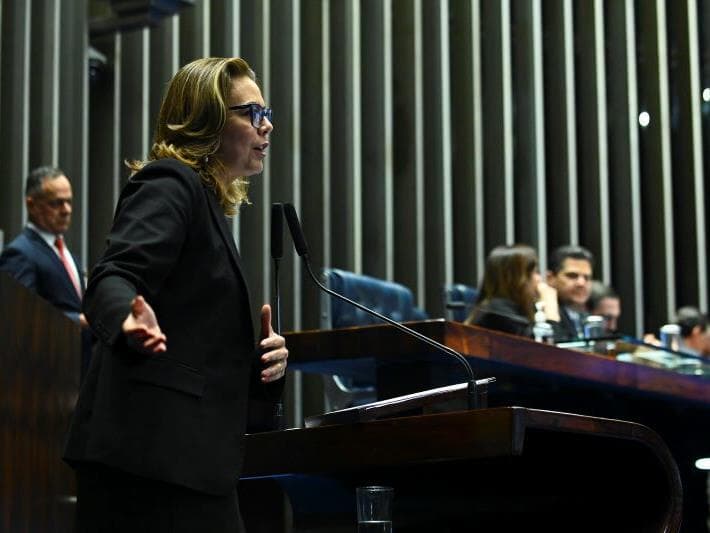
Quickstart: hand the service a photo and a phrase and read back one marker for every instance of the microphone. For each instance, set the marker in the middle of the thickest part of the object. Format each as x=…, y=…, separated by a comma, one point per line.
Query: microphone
x=299, y=242
x=277, y=252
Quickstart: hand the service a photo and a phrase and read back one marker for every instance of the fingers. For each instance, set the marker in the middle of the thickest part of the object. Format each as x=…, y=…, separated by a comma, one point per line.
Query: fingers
x=274, y=371
x=274, y=361
x=137, y=305
x=266, y=329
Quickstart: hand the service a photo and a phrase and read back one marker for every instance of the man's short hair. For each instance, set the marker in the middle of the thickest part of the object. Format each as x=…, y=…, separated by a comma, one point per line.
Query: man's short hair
x=598, y=292
x=690, y=317
x=38, y=176
x=571, y=251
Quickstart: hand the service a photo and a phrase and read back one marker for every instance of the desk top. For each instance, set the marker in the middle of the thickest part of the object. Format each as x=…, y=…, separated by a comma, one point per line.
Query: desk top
x=385, y=342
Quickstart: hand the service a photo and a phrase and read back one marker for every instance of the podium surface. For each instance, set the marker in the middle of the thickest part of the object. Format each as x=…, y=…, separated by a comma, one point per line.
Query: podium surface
x=531, y=375
x=498, y=469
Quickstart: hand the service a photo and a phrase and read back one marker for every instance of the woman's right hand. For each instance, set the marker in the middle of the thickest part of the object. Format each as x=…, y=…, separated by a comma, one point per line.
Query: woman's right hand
x=548, y=295
x=141, y=329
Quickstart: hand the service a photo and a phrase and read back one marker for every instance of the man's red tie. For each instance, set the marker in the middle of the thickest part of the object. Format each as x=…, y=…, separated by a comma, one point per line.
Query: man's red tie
x=59, y=243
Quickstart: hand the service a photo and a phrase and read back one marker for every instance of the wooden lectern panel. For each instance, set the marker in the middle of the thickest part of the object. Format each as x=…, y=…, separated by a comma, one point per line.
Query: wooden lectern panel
x=40, y=354
x=503, y=469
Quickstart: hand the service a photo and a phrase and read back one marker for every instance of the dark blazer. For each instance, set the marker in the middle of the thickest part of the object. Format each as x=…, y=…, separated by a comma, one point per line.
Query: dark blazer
x=503, y=315
x=179, y=416
x=565, y=330
x=32, y=262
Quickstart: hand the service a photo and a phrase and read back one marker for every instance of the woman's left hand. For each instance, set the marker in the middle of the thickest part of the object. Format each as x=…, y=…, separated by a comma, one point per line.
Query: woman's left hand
x=273, y=348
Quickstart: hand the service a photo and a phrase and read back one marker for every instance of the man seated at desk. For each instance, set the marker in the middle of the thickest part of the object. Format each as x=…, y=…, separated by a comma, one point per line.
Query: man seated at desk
x=570, y=273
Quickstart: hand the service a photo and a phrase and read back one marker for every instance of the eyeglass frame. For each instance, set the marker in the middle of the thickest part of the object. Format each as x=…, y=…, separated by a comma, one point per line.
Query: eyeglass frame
x=257, y=113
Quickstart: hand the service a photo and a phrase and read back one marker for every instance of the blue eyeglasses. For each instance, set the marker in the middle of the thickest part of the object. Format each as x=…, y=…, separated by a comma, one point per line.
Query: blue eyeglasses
x=257, y=112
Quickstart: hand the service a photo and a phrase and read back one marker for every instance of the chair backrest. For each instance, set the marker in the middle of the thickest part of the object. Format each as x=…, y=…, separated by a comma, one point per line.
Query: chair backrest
x=389, y=298
x=459, y=300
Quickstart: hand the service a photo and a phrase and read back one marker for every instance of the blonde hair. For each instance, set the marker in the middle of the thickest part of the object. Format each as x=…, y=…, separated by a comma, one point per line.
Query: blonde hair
x=191, y=120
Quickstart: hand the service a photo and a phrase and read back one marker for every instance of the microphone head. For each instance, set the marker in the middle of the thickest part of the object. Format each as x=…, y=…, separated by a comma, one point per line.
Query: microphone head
x=294, y=226
x=277, y=231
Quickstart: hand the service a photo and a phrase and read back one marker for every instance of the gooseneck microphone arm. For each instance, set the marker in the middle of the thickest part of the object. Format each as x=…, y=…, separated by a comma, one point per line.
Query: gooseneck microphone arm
x=299, y=242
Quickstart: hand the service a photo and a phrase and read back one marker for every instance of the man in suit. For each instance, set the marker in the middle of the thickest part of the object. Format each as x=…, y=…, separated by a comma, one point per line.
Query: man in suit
x=605, y=302
x=570, y=273
x=38, y=257
x=694, y=331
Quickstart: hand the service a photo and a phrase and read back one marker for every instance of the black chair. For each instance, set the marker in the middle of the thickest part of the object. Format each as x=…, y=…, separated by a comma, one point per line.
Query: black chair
x=389, y=298
x=459, y=301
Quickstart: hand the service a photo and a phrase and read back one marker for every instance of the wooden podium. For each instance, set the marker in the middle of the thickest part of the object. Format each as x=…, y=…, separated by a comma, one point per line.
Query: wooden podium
x=40, y=354
x=534, y=376
x=498, y=469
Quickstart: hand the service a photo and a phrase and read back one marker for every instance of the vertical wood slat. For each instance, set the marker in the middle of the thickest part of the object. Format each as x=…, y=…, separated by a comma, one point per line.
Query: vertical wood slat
x=497, y=123
x=374, y=144
x=437, y=156
x=467, y=154
x=528, y=124
x=695, y=92
x=15, y=110
x=657, y=223
x=562, y=220
x=408, y=146
x=353, y=64
x=624, y=179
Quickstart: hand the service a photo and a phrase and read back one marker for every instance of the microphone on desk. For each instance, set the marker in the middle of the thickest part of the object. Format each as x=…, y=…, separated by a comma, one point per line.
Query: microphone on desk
x=277, y=252
x=299, y=242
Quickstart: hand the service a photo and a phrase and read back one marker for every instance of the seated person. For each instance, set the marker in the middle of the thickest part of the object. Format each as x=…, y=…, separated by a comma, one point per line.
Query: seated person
x=511, y=285
x=605, y=302
x=694, y=331
x=570, y=273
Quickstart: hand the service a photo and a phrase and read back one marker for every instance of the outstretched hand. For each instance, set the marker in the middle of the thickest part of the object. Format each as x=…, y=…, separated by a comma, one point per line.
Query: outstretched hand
x=141, y=329
x=273, y=348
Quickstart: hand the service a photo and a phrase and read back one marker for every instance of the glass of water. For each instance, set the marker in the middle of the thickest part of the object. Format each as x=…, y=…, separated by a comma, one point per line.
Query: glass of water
x=374, y=509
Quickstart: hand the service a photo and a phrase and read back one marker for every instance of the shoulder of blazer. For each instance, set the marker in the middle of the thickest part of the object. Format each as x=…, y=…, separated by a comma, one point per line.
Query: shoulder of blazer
x=166, y=168
x=191, y=183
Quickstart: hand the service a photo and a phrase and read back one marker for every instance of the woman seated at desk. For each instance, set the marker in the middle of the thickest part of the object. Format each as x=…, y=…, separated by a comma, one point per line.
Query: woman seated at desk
x=511, y=286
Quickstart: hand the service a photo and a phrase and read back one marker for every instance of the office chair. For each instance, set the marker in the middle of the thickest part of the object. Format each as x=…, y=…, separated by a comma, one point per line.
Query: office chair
x=389, y=298
x=459, y=301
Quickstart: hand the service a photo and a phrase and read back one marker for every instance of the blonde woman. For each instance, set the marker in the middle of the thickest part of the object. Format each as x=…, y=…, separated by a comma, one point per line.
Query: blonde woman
x=156, y=436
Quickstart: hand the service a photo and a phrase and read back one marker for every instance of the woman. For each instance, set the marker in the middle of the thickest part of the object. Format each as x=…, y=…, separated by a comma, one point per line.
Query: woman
x=157, y=434
x=511, y=286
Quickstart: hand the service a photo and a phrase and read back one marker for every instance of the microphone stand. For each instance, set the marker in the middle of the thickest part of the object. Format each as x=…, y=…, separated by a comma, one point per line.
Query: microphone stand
x=276, y=254
x=472, y=394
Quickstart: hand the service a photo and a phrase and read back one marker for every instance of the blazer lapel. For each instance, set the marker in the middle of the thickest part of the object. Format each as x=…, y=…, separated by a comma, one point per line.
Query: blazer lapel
x=221, y=223
x=49, y=254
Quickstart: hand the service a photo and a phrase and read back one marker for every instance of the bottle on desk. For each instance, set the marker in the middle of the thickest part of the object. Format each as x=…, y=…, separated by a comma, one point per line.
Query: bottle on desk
x=670, y=337
x=593, y=327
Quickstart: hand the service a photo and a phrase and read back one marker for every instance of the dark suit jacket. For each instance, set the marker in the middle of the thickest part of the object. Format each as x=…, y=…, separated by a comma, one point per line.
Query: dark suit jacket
x=31, y=261
x=500, y=314
x=565, y=330
x=179, y=416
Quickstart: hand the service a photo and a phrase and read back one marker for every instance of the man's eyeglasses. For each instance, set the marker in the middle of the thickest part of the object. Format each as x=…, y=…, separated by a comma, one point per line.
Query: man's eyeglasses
x=257, y=112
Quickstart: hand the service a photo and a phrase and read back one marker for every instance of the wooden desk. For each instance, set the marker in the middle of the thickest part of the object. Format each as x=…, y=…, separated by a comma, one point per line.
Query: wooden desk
x=502, y=469
x=40, y=354
x=531, y=375
x=321, y=350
